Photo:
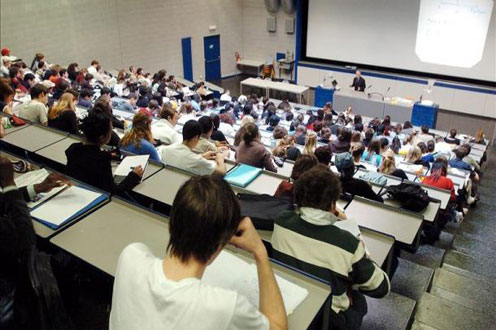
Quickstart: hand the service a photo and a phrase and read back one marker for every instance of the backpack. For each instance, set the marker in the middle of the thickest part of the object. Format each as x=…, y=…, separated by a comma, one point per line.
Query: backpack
x=263, y=209
x=411, y=196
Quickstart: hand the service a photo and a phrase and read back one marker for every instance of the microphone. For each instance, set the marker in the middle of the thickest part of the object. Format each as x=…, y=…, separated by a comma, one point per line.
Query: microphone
x=389, y=88
x=370, y=86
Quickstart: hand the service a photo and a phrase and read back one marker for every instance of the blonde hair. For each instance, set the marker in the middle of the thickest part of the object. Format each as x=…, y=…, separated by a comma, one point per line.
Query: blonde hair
x=66, y=102
x=479, y=136
x=310, y=143
x=247, y=119
x=282, y=146
x=140, y=130
x=388, y=164
x=413, y=155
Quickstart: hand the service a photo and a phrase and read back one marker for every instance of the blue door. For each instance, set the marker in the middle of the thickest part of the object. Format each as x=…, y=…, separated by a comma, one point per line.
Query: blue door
x=187, y=59
x=211, y=45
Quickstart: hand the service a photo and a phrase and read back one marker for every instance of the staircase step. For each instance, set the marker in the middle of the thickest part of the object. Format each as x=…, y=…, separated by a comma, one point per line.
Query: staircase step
x=481, y=266
x=392, y=312
x=411, y=280
x=445, y=240
x=468, y=274
x=421, y=326
x=457, y=299
x=473, y=245
x=426, y=255
x=482, y=291
x=444, y=314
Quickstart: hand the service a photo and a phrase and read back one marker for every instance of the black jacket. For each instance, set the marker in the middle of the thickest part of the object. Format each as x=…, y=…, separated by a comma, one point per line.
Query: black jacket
x=66, y=121
x=358, y=84
x=89, y=164
x=359, y=188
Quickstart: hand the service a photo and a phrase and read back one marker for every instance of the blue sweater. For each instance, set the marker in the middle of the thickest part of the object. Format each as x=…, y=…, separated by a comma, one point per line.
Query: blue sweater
x=146, y=148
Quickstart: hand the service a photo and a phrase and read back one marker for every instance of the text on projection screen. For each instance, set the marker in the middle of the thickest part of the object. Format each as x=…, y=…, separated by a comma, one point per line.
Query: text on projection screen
x=452, y=32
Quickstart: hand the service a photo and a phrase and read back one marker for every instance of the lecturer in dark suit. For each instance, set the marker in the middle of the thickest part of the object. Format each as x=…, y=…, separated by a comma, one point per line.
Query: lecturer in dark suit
x=358, y=82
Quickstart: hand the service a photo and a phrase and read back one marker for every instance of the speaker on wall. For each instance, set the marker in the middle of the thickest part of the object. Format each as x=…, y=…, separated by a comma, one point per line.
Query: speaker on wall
x=271, y=24
x=290, y=23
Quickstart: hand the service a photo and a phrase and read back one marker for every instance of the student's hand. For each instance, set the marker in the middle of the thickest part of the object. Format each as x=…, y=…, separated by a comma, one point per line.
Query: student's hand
x=340, y=214
x=139, y=170
x=219, y=157
x=210, y=155
x=53, y=180
x=247, y=238
x=6, y=172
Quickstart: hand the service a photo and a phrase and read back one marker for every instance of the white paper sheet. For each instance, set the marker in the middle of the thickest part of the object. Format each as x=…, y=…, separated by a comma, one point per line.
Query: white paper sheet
x=129, y=163
x=35, y=177
x=65, y=205
x=231, y=272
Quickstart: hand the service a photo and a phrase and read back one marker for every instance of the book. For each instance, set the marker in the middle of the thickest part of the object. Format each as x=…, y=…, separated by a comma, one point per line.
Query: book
x=242, y=175
x=233, y=273
x=66, y=206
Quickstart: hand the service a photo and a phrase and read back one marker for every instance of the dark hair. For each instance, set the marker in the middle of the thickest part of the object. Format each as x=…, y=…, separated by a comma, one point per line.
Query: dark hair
x=88, y=76
x=425, y=129
x=303, y=163
x=357, y=119
x=102, y=107
x=205, y=215
x=105, y=91
x=384, y=142
x=167, y=112
x=453, y=132
x=29, y=76
x=5, y=90
x=191, y=129
x=279, y=132
x=41, y=64
x=439, y=168
x=13, y=71
x=95, y=125
x=206, y=124
x=461, y=152
x=357, y=149
x=466, y=145
x=422, y=146
x=317, y=188
x=85, y=92
x=386, y=121
x=95, y=62
x=37, y=90
x=345, y=135
x=215, y=120
x=251, y=132
x=374, y=148
x=380, y=129
x=369, y=134
x=325, y=133
x=431, y=145
x=247, y=108
x=407, y=124
x=323, y=154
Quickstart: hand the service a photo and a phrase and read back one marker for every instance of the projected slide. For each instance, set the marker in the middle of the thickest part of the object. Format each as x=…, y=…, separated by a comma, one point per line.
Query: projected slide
x=453, y=32
x=442, y=38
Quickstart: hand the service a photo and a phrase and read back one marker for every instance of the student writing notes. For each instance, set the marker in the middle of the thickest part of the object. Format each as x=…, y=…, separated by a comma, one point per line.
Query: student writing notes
x=151, y=293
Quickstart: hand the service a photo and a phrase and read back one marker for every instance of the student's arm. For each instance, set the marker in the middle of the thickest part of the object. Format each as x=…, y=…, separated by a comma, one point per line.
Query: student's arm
x=72, y=126
x=220, y=168
x=43, y=116
x=267, y=161
x=271, y=304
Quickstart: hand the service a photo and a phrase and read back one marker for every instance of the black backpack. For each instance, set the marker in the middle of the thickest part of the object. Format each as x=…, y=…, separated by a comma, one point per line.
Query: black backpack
x=263, y=209
x=411, y=196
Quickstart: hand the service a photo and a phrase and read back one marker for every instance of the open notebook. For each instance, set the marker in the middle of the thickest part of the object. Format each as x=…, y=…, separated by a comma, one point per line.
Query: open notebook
x=35, y=177
x=231, y=272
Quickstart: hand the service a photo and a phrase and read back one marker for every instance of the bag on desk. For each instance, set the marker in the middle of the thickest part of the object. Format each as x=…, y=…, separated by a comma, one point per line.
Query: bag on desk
x=263, y=209
x=411, y=196
x=16, y=121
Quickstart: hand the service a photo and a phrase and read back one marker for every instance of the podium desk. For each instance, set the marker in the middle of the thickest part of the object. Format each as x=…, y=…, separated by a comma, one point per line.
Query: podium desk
x=100, y=238
x=403, y=225
x=34, y=137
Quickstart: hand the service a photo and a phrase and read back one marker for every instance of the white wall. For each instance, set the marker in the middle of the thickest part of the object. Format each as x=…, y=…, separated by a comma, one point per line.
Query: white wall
x=119, y=33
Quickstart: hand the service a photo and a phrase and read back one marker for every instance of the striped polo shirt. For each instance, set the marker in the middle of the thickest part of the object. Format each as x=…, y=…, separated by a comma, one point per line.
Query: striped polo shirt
x=309, y=241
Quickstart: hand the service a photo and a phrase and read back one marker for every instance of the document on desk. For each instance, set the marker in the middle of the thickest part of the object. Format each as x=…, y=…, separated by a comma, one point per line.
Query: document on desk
x=66, y=206
x=233, y=273
x=35, y=177
x=129, y=163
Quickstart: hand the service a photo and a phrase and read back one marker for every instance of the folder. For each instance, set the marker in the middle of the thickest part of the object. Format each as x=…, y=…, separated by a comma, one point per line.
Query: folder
x=66, y=206
x=242, y=175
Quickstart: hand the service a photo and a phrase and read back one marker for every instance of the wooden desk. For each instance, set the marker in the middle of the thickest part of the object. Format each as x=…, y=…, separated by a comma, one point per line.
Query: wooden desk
x=252, y=63
x=403, y=225
x=34, y=137
x=100, y=238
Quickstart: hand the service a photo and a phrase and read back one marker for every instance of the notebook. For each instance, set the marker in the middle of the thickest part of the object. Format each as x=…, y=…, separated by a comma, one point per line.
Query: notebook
x=35, y=177
x=128, y=164
x=66, y=206
x=242, y=175
x=233, y=273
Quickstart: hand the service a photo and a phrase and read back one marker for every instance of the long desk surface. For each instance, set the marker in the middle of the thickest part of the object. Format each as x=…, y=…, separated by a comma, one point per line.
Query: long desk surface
x=33, y=137
x=404, y=226
x=101, y=236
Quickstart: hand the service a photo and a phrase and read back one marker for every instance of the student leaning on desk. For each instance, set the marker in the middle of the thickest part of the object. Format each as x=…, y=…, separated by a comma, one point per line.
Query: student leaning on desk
x=154, y=293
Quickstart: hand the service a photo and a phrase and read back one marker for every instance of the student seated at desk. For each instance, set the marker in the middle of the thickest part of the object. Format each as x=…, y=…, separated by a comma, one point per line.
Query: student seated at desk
x=182, y=156
x=302, y=164
x=226, y=124
x=102, y=107
x=6, y=96
x=424, y=136
x=346, y=167
x=373, y=153
x=414, y=156
x=309, y=240
x=62, y=116
x=205, y=143
x=164, y=130
x=252, y=152
x=343, y=143
x=324, y=155
x=85, y=98
x=458, y=162
x=187, y=113
x=239, y=134
x=357, y=150
x=217, y=134
x=452, y=139
x=310, y=143
x=87, y=162
x=139, y=139
x=35, y=110
x=388, y=166
x=153, y=293
x=469, y=160
x=479, y=137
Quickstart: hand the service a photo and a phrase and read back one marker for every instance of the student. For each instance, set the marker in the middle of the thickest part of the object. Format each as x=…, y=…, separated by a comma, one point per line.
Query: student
x=6, y=96
x=300, y=134
x=62, y=116
x=157, y=294
x=152, y=108
x=187, y=113
x=414, y=156
x=226, y=125
x=85, y=98
x=310, y=143
x=182, y=156
x=139, y=139
x=73, y=71
x=273, y=122
x=479, y=137
x=302, y=164
x=427, y=152
x=369, y=135
x=424, y=136
x=163, y=129
x=373, y=153
x=346, y=166
x=310, y=240
x=87, y=162
x=15, y=75
x=458, y=162
x=28, y=81
x=129, y=104
x=39, y=57
x=388, y=166
x=279, y=133
x=252, y=152
x=357, y=150
x=452, y=139
x=324, y=155
x=35, y=110
x=205, y=144
x=325, y=135
x=469, y=160
x=384, y=145
x=241, y=132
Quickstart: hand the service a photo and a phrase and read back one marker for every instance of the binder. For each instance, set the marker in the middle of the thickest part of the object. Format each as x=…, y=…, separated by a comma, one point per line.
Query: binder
x=242, y=175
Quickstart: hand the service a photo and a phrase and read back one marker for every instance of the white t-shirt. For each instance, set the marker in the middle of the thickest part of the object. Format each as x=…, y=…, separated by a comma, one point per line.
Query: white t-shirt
x=227, y=129
x=181, y=156
x=144, y=298
x=186, y=117
x=165, y=132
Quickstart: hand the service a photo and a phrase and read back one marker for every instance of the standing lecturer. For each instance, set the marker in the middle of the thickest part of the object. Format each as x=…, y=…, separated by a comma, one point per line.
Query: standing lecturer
x=358, y=82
